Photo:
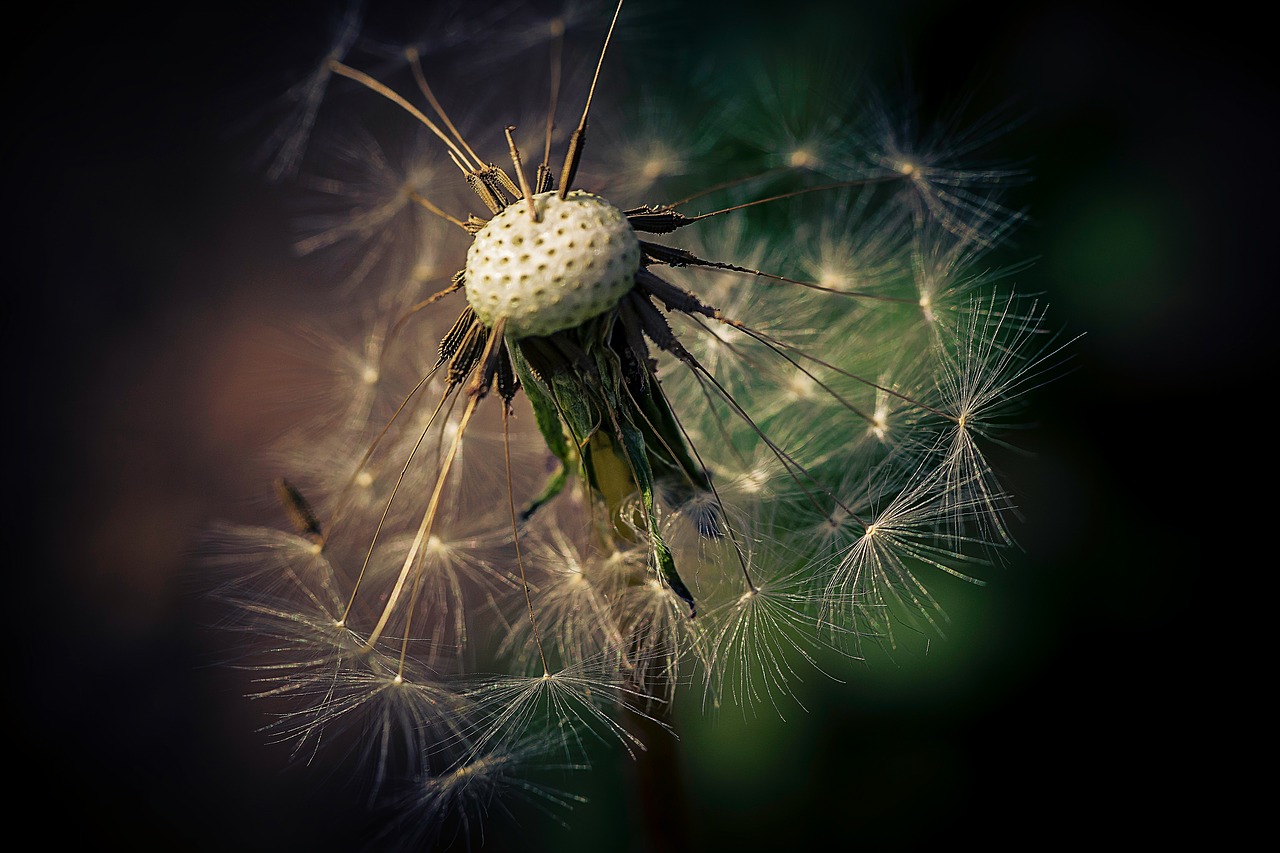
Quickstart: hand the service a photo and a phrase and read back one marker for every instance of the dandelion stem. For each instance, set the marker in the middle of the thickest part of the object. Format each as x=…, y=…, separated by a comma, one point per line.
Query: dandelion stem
x=462, y=167
x=663, y=804
x=474, y=398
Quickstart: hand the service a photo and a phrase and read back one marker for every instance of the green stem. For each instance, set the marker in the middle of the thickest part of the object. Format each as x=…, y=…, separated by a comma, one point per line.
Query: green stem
x=659, y=801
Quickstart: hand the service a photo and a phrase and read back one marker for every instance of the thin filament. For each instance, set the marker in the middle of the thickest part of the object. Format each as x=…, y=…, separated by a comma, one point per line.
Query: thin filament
x=370, y=83
x=424, y=529
x=515, y=538
x=355, y=590
x=416, y=65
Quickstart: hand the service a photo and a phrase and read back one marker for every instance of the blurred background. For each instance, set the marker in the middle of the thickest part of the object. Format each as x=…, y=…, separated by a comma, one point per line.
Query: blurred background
x=1084, y=691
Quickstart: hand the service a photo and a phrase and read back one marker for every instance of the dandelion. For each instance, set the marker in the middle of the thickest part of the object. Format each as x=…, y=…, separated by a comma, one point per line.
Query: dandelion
x=596, y=461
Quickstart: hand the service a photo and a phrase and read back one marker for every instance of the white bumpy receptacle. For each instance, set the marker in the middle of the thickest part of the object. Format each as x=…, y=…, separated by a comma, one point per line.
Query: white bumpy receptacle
x=576, y=261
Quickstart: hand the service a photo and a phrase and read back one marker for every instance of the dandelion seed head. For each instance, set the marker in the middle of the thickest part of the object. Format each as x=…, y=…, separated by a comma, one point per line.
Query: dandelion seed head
x=813, y=448
x=470, y=785
x=948, y=183
x=363, y=213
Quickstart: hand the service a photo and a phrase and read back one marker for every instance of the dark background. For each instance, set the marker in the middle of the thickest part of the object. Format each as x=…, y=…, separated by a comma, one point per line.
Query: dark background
x=1085, y=695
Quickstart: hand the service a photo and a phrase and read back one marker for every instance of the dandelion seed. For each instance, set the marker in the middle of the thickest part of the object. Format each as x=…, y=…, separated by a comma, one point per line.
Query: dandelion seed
x=787, y=112
x=576, y=704
x=762, y=636
x=574, y=599
x=379, y=208
x=943, y=182
x=285, y=148
x=1002, y=355
x=874, y=583
x=440, y=804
